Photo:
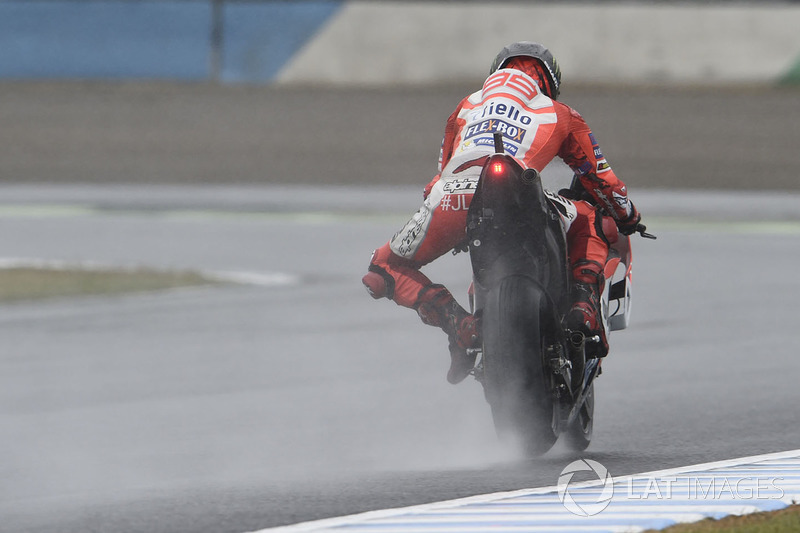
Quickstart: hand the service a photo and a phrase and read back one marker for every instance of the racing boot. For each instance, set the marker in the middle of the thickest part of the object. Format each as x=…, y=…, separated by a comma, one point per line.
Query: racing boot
x=437, y=307
x=584, y=316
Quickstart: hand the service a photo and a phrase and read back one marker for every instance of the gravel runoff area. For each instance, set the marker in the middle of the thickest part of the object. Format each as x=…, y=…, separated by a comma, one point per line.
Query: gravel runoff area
x=104, y=132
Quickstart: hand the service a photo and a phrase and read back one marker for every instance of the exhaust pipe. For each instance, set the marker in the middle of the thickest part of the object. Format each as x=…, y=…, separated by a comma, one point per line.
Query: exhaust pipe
x=530, y=176
x=578, y=340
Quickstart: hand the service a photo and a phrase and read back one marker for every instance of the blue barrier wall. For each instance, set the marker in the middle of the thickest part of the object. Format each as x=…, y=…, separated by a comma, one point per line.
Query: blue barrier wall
x=152, y=39
x=259, y=39
x=92, y=39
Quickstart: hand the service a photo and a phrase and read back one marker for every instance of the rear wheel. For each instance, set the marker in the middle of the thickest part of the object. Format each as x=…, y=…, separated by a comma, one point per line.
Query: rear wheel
x=516, y=380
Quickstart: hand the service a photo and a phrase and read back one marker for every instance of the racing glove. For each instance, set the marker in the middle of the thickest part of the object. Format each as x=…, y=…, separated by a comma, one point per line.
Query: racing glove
x=628, y=226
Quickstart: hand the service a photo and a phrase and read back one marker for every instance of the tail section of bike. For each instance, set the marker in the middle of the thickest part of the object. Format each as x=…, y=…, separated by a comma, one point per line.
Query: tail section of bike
x=518, y=253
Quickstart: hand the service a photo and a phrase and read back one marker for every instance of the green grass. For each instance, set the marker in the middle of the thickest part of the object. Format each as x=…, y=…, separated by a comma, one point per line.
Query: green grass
x=25, y=283
x=792, y=77
x=782, y=521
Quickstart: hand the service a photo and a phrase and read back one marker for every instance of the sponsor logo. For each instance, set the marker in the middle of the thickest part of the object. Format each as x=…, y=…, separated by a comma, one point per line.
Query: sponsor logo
x=584, y=168
x=404, y=242
x=605, y=201
x=494, y=125
x=596, y=147
x=621, y=200
x=499, y=109
x=602, y=164
x=488, y=141
x=460, y=184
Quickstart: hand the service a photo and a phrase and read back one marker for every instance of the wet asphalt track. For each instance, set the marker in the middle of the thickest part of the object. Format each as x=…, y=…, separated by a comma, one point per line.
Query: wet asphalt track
x=236, y=408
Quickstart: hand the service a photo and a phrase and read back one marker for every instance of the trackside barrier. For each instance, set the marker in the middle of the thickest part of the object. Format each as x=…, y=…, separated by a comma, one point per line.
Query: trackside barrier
x=594, y=42
x=333, y=42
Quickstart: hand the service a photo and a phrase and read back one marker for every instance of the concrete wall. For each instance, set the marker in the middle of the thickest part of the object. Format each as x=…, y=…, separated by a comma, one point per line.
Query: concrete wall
x=378, y=43
x=398, y=42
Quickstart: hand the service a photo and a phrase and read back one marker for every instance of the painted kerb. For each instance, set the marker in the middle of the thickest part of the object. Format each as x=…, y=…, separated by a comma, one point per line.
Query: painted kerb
x=630, y=504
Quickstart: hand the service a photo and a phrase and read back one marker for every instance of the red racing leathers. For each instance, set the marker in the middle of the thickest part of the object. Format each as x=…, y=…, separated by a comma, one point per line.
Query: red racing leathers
x=535, y=130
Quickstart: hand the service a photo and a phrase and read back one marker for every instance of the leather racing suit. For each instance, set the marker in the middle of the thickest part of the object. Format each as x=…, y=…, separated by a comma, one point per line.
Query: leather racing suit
x=535, y=129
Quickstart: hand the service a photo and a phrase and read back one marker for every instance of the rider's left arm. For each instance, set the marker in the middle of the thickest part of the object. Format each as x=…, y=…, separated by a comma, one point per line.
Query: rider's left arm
x=582, y=153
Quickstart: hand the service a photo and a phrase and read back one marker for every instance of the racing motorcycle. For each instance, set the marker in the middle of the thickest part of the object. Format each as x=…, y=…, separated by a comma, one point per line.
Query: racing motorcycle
x=537, y=375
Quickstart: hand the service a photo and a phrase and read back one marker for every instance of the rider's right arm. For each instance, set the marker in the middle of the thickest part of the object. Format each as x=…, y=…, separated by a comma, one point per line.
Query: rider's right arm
x=451, y=129
x=448, y=145
x=427, y=190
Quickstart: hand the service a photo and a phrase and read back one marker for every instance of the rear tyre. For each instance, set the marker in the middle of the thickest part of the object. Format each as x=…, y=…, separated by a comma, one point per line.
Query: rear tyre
x=516, y=382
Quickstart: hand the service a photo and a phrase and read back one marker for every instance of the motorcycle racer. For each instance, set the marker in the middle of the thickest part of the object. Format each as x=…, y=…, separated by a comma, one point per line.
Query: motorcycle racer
x=519, y=100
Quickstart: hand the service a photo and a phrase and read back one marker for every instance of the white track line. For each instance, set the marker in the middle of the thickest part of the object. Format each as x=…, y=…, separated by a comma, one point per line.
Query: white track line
x=261, y=279
x=652, y=500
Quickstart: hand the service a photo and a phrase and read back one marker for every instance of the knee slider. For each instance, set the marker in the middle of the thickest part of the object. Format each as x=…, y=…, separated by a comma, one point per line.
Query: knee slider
x=374, y=284
x=377, y=285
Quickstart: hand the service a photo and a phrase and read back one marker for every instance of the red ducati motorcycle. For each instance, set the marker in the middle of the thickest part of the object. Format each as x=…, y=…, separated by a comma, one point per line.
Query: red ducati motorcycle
x=537, y=375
